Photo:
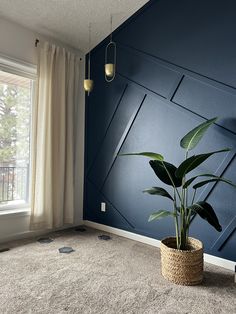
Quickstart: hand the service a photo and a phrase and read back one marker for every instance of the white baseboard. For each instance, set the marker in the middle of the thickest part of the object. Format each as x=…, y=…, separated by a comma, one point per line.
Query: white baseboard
x=218, y=261
x=22, y=235
x=137, y=237
x=32, y=234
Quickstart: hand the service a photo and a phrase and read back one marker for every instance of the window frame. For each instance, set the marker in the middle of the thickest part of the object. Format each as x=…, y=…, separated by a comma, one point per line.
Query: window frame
x=27, y=70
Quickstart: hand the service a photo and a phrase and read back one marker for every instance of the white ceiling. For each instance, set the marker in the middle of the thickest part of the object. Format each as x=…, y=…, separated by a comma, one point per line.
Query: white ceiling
x=68, y=20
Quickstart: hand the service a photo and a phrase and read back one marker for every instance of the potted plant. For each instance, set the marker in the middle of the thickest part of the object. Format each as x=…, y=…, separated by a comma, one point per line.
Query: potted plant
x=182, y=256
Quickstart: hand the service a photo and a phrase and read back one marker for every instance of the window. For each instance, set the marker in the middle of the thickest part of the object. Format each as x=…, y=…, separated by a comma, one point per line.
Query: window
x=15, y=128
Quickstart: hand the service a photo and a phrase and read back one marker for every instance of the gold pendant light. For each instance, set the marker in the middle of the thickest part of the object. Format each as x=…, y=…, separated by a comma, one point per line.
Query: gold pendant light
x=110, y=55
x=88, y=83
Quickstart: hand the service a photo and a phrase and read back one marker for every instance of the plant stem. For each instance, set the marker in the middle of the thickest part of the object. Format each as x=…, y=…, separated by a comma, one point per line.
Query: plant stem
x=176, y=222
x=194, y=194
x=189, y=219
x=184, y=213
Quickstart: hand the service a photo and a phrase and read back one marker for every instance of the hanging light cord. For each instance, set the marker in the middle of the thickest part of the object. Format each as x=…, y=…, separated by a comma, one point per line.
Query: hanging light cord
x=111, y=45
x=89, y=51
x=111, y=29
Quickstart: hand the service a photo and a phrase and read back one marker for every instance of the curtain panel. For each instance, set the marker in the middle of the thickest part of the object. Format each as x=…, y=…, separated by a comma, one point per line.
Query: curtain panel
x=52, y=166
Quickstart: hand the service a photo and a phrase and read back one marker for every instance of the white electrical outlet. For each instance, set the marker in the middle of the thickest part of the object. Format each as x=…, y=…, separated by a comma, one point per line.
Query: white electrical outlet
x=103, y=207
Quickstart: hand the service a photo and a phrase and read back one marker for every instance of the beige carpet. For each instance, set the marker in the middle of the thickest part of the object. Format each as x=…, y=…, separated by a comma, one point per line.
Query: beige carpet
x=115, y=276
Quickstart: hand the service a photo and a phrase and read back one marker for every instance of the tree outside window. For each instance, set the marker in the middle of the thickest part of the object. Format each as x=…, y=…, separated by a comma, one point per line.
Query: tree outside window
x=15, y=124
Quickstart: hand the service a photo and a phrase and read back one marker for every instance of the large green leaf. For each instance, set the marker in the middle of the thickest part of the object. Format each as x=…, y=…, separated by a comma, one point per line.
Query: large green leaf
x=194, y=161
x=151, y=155
x=161, y=214
x=164, y=170
x=189, y=181
x=205, y=211
x=192, y=138
x=202, y=183
x=158, y=191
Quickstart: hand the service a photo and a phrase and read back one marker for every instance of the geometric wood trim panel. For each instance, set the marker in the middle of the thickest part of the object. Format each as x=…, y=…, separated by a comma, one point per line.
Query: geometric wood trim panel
x=225, y=235
x=113, y=215
x=151, y=103
x=115, y=136
x=125, y=114
x=151, y=75
x=207, y=101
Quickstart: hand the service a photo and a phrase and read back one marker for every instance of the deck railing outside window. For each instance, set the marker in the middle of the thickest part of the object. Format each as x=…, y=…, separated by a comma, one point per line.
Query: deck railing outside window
x=14, y=184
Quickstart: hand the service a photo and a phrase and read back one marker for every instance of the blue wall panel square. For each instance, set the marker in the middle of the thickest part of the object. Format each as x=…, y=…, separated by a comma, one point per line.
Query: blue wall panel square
x=208, y=101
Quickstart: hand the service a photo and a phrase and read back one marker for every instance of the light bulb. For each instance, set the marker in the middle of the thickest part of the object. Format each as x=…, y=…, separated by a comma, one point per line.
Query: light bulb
x=109, y=69
x=88, y=85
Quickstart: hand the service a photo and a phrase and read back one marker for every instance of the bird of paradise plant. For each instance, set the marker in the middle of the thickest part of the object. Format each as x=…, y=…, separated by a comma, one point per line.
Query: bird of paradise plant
x=184, y=210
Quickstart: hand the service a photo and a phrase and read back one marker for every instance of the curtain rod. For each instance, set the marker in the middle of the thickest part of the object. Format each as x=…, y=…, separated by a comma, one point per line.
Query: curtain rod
x=37, y=42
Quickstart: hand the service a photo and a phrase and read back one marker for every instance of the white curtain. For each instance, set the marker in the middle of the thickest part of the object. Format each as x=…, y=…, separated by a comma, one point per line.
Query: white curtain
x=52, y=171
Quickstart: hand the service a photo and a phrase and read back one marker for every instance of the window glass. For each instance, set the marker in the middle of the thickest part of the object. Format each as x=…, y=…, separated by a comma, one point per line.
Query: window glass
x=15, y=127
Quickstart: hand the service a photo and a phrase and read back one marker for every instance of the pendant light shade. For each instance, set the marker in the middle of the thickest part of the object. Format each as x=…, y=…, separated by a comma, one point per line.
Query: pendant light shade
x=109, y=69
x=88, y=83
x=110, y=59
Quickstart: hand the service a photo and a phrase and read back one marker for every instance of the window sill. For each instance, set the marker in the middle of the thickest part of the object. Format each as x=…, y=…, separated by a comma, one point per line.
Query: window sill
x=15, y=212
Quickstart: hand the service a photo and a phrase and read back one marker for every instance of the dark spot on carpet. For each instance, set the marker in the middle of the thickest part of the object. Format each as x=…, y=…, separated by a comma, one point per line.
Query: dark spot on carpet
x=80, y=229
x=104, y=237
x=45, y=240
x=66, y=250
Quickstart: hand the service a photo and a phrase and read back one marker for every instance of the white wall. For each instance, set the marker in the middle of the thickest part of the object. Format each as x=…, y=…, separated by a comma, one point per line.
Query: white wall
x=18, y=42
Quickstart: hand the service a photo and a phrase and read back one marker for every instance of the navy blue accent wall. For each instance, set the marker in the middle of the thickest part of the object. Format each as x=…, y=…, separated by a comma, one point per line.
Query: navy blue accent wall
x=176, y=67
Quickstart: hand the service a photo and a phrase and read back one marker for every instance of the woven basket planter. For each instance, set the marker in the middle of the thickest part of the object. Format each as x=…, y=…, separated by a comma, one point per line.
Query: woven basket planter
x=182, y=267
